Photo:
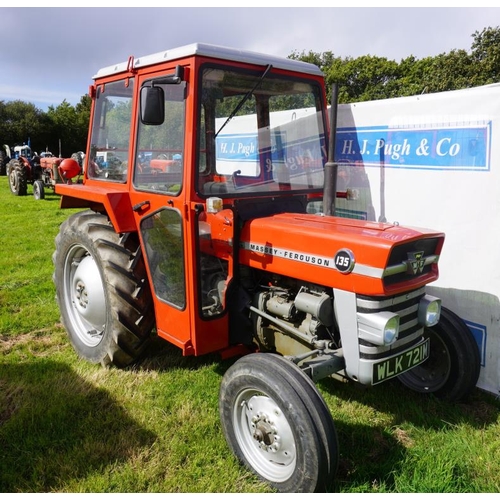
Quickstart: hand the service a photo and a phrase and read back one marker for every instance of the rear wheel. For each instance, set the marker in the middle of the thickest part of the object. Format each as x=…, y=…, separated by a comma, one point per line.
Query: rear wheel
x=452, y=370
x=38, y=190
x=18, y=178
x=102, y=290
x=4, y=159
x=276, y=424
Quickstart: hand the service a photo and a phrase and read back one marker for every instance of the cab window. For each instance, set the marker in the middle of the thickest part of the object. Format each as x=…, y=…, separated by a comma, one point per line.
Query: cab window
x=159, y=162
x=110, y=136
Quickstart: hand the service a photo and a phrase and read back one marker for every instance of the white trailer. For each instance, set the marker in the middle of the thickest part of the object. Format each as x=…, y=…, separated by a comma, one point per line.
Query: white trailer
x=433, y=160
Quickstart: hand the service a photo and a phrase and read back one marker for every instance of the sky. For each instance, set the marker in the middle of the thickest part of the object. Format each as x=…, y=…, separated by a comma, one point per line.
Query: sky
x=50, y=54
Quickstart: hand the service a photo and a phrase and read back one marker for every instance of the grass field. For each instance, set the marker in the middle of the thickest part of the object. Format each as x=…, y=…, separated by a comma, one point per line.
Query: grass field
x=70, y=426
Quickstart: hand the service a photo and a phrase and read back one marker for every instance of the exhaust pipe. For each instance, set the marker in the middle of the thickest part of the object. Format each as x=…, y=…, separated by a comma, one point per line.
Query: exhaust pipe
x=330, y=185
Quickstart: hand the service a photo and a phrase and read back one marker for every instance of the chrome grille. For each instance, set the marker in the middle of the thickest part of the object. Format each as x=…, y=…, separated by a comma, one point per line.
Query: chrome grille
x=410, y=331
x=398, y=266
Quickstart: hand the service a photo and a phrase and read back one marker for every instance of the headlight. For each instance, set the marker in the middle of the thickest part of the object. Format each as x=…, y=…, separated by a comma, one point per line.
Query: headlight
x=429, y=310
x=391, y=330
x=380, y=328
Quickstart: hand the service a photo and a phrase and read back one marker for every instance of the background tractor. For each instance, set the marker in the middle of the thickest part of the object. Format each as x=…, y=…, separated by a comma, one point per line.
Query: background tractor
x=41, y=171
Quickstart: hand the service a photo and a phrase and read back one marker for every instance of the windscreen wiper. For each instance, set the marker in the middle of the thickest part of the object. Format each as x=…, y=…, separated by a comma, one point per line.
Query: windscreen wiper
x=245, y=98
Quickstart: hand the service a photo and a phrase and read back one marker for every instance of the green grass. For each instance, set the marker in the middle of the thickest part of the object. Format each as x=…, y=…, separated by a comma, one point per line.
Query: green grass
x=69, y=426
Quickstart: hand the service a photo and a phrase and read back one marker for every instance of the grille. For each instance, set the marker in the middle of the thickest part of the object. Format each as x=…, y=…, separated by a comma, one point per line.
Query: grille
x=396, y=271
x=410, y=331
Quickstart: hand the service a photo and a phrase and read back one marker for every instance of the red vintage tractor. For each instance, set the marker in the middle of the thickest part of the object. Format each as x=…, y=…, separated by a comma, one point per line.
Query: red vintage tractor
x=237, y=250
x=42, y=171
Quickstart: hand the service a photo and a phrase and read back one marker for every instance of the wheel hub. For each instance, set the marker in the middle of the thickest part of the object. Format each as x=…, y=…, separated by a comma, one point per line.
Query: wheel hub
x=265, y=433
x=81, y=295
x=87, y=297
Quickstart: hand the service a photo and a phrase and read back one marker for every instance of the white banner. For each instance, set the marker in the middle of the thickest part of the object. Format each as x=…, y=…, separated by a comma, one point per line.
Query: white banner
x=433, y=161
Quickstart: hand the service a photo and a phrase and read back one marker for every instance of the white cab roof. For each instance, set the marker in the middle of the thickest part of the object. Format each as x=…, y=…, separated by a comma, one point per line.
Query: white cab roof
x=216, y=51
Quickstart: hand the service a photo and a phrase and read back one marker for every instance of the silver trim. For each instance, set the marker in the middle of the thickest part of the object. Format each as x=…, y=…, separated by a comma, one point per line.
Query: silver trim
x=308, y=258
x=408, y=324
x=377, y=350
x=392, y=301
x=369, y=271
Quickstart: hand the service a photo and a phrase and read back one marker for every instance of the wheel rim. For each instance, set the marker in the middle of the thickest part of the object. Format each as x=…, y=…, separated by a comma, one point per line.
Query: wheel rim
x=433, y=374
x=84, y=296
x=264, y=435
x=13, y=179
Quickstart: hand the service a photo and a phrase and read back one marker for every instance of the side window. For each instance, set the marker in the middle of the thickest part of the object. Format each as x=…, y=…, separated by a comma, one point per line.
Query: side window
x=159, y=161
x=162, y=234
x=111, y=132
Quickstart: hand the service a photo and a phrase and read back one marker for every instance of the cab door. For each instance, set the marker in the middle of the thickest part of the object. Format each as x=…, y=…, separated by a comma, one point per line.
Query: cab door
x=159, y=205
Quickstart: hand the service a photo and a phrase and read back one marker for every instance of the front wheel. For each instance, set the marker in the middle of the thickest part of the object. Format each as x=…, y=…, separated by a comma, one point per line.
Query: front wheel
x=38, y=190
x=275, y=423
x=452, y=370
x=102, y=290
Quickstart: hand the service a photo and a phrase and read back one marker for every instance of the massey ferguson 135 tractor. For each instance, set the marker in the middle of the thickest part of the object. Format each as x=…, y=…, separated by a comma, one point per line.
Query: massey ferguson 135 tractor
x=229, y=243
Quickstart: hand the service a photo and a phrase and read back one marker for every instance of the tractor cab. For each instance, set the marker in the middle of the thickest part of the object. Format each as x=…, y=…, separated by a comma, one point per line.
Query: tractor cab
x=24, y=151
x=172, y=139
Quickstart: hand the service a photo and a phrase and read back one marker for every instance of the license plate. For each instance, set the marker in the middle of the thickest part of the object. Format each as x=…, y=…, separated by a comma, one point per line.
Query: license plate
x=392, y=367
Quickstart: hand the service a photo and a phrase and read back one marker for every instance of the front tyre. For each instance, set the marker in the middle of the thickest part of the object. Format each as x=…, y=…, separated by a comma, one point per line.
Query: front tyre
x=452, y=370
x=268, y=424
x=38, y=190
x=102, y=290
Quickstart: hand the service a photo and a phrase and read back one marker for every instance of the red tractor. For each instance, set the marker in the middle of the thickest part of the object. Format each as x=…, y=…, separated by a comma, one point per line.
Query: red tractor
x=236, y=249
x=42, y=171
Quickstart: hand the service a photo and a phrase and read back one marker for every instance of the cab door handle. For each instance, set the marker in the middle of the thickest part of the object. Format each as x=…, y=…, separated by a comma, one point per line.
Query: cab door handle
x=140, y=206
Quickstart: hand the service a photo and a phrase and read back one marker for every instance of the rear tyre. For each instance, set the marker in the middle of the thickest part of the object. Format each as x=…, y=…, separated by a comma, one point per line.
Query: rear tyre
x=38, y=190
x=18, y=178
x=452, y=370
x=272, y=425
x=4, y=159
x=102, y=290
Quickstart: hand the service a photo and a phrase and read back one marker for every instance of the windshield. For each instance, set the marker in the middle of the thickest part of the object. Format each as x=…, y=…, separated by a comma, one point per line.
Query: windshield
x=259, y=133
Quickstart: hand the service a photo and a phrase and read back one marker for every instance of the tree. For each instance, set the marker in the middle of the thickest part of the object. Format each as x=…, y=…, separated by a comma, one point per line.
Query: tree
x=365, y=78
x=371, y=77
x=82, y=110
x=69, y=126
x=323, y=60
x=450, y=71
x=486, y=55
x=20, y=122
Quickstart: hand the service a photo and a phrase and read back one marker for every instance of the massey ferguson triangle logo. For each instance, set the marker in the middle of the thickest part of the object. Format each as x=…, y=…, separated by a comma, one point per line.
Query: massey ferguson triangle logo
x=415, y=263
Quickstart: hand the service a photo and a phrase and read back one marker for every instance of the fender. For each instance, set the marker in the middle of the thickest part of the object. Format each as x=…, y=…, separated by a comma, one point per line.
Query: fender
x=116, y=203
